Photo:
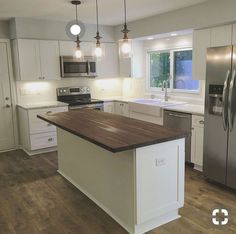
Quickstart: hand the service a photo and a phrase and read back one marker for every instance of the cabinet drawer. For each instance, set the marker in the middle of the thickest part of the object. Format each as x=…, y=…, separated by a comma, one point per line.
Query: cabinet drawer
x=43, y=140
x=37, y=125
x=198, y=121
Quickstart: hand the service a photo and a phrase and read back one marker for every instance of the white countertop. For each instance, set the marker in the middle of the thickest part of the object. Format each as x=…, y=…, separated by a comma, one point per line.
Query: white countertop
x=42, y=105
x=187, y=108
x=196, y=109
x=117, y=98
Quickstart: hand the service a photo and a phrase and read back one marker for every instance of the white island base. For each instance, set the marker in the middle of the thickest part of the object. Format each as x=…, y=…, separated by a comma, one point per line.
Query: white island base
x=141, y=188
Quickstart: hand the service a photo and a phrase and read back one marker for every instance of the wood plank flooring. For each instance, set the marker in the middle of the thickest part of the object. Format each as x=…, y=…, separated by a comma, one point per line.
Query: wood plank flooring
x=35, y=199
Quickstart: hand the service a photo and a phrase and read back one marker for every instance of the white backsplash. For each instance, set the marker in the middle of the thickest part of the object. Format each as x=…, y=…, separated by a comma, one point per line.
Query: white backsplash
x=34, y=92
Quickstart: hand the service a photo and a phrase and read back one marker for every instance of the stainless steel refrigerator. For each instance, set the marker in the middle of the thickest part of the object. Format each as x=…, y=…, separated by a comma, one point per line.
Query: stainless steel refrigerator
x=219, y=161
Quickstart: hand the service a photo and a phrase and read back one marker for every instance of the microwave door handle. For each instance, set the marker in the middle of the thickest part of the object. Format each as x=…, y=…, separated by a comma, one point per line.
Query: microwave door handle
x=231, y=88
x=88, y=67
x=225, y=99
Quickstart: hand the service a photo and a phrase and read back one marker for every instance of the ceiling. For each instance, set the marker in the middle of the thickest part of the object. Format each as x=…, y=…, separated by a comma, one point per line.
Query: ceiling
x=111, y=11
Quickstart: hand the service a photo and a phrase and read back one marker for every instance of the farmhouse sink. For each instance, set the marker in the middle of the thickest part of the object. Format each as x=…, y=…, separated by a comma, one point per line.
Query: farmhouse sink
x=150, y=106
x=157, y=102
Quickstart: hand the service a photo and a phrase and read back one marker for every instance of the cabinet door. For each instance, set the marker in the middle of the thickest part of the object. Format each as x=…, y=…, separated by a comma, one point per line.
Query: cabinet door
x=49, y=59
x=125, y=110
x=29, y=59
x=201, y=41
x=67, y=48
x=109, y=107
x=197, y=140
x=221, y=36
x=125, y=67
x=107, y=66
x=234, y=35
x=118, y=108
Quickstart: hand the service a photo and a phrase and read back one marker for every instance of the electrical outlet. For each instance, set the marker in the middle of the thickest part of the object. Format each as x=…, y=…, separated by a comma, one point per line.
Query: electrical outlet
x=160, y=162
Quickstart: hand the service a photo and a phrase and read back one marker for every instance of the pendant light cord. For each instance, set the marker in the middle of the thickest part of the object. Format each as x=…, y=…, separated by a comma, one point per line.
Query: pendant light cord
x=97, y=14
x=125, y=11
x=76, y=10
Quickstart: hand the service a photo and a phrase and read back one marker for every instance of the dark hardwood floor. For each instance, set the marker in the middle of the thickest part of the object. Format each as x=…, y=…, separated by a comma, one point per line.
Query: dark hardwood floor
x=35, y=199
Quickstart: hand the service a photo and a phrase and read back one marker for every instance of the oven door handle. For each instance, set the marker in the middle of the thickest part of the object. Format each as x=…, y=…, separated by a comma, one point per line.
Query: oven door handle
x=88, y=67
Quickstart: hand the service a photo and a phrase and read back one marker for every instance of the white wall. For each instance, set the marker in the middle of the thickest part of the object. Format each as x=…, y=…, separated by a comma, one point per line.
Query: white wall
x=207, y=14
x=137, y=87
x=55, y=30
x=34, y=92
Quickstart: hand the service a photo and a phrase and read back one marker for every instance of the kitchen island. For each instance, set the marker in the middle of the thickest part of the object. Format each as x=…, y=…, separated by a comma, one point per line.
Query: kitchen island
x=132, y=169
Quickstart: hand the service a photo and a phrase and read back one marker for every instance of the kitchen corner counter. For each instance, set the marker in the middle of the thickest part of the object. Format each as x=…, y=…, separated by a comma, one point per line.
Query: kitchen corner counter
x=194, y=109
x=112, y=132
x=40, y=105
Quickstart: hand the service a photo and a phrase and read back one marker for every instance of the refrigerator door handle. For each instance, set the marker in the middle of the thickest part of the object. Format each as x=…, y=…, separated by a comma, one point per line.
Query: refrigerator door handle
x=225, y=100
x=231, y=88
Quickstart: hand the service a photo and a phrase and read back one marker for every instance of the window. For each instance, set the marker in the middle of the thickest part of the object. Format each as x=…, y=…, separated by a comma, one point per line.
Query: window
x=173, y=66
x=159, y=68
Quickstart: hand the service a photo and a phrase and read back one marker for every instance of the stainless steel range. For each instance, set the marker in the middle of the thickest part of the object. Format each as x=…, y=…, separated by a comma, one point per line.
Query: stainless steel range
x=78, y=97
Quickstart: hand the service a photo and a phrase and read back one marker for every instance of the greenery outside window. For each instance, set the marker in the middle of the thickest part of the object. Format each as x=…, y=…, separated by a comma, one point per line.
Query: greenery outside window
x=173, y=66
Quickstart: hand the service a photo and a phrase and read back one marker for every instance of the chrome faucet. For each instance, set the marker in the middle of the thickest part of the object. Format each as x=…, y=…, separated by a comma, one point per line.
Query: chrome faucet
x=164, y=87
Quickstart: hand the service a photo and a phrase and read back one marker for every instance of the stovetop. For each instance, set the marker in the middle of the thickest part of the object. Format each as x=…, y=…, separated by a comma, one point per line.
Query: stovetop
x=75, y=96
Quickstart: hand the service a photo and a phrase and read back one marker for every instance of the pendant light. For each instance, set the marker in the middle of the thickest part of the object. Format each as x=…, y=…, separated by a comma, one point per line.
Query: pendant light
x=125, y=43
x=98, y=50
x=75, y=29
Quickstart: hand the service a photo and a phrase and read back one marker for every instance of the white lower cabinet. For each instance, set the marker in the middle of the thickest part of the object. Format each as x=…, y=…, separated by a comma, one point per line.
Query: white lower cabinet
x=36, y=135
x=122, y=108
x=109, y=107
x=197, y=141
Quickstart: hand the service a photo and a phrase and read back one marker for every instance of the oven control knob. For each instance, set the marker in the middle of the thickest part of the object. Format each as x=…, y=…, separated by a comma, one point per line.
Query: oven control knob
x=87, y=89
x=64, y=90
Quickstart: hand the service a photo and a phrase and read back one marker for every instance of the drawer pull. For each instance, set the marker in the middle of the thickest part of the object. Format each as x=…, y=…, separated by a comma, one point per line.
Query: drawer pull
x=178, y=116
x=49, y=125
x=50, y=139
x=201, y=122
x=48, y=112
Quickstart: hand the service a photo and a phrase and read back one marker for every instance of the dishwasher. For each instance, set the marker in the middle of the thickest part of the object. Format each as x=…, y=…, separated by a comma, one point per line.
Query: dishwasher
x=180, y=121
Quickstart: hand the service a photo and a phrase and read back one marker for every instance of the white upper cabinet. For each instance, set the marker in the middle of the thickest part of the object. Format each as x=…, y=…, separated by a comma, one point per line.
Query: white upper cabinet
x=133, y=67
x=234, y=35
x=107, y=66
x=27, y=61
x=36, y=60
x=201, y=41
x=49, y=59
x=67, y=48
x=221, y=36
x=211, y=37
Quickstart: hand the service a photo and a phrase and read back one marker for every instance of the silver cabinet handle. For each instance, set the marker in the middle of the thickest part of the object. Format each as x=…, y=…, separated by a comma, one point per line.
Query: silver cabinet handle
x=225, y=99
x=88, y=68
x=178, y=116
x=49, y=125
x=50, y=139
x=231, y=87
x=48, y=112
x=201, y=122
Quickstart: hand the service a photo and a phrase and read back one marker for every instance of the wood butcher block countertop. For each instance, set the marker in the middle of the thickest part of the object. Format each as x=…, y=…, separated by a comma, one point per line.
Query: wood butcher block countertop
x=112, y=132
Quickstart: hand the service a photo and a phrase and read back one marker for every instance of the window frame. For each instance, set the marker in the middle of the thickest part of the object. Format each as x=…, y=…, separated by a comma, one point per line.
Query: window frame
x=171, y=89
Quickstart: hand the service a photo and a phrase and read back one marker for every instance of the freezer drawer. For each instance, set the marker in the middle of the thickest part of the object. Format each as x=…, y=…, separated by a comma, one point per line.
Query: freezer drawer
x=180, y=121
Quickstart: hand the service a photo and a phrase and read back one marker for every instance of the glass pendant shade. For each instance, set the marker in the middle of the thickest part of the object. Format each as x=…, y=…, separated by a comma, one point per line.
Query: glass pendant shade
x=98, y=51
x=125, y=48
x=78, y=53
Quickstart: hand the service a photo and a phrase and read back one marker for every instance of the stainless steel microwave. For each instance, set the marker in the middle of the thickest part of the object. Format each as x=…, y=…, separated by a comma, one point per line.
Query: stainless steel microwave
x=71, y=67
